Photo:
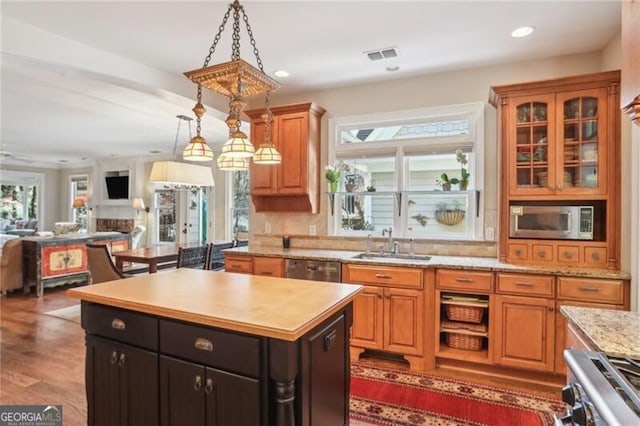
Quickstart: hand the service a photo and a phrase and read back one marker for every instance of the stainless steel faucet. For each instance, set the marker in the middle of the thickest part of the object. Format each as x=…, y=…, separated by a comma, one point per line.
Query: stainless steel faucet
x=396, y=247
x=412, y=251
x=389, y=231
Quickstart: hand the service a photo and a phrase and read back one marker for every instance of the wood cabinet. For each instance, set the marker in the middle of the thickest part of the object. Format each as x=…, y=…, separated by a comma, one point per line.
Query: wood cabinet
x=61, y=260
x=240, y=264
x=462, y=315
x=121, y=383
x=630, y=98
x=268, y=266
x=294, y=184
x=559, y=142
x=147, y=370
x=389, y=314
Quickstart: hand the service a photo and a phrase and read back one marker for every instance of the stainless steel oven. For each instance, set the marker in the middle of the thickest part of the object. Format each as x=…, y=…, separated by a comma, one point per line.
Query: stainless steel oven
x=601, y=391
x=551, y=222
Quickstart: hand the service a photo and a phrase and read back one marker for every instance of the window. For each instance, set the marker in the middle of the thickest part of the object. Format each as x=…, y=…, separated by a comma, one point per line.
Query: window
x=21, y=193
x=239, y=211
x=416, y=171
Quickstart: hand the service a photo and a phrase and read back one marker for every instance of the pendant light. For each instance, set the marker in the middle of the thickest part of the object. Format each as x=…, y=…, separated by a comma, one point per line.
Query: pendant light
x=267, y=153
x=197, y=148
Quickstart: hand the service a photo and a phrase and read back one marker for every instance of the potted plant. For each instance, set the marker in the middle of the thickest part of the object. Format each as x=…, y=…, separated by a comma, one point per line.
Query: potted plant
x=449, y=214
x=446, y=182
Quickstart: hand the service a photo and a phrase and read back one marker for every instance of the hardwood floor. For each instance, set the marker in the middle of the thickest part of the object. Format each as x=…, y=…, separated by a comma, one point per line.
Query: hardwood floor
x=42, y=357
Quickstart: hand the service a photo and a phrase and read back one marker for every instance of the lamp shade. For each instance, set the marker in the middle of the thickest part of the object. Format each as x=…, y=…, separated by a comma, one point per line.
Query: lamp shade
x=138, y=203
x=238, y=146
x=267, y=154
x=197, y=150
x=79, y=203
x=230, y=164
x=175, y=173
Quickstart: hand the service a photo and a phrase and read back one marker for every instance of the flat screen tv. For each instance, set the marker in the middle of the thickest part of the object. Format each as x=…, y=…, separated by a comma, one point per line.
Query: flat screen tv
x=117, y=187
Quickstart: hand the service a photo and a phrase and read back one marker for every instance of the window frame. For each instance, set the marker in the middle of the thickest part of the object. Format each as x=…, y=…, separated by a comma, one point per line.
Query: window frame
x=400, y=148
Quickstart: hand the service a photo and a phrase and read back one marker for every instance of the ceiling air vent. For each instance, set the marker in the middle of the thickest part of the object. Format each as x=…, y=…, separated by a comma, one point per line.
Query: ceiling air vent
x=386, y=53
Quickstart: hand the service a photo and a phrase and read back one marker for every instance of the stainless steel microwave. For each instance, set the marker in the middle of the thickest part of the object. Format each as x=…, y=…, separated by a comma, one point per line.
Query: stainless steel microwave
x=551, y=222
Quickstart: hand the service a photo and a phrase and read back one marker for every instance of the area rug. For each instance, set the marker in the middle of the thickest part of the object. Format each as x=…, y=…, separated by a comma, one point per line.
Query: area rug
x=383, y=396
x=70, y=313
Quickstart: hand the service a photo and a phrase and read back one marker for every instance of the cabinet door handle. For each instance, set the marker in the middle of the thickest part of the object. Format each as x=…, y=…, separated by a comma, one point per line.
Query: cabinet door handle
x=383, y=276
x=208, y=387
x=118, y=324
x=379, y=296
x=551, y=309
x=595, y=256
x=523, y=284
x=568, y=254
x=542, y=253
x=121, y=360
x=265, y=273
x=589, y=289
x=203, y=344
x=464, y=280
x=197, y=383
x=114, y=357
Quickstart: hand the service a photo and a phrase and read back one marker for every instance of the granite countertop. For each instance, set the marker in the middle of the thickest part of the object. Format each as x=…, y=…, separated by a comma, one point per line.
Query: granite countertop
x=449, y=262
x=263, y=306
x=615, y=333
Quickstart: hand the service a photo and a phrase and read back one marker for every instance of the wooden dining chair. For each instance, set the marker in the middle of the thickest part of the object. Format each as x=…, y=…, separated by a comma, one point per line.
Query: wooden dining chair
x=101, y=265
x=193, y=257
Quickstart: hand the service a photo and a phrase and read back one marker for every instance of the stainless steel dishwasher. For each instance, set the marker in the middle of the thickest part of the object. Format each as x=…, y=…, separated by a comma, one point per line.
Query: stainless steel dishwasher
x=316, y=270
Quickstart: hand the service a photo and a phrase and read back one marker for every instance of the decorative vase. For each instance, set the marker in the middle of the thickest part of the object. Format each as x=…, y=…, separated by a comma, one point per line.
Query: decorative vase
x=446, y=186
x=463, y=185
x=333, y=186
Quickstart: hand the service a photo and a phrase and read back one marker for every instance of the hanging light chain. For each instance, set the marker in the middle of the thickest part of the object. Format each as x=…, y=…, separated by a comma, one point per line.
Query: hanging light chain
x=268, y=118
x=198, y=110
x=235, y=45
x=216, y=39
x=253, y=41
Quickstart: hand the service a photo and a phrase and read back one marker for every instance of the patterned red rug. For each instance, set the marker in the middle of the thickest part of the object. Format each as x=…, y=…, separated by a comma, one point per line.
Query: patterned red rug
x=383, y=396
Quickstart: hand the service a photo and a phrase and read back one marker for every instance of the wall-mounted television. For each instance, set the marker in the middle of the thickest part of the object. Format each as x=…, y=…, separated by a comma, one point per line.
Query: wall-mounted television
x=117, y=187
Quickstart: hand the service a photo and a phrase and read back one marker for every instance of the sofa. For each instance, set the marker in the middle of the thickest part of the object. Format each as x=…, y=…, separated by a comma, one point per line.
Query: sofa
x=11, y=275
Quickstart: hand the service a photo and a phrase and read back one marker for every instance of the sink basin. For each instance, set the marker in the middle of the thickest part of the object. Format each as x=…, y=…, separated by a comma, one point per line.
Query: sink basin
x=391, y=256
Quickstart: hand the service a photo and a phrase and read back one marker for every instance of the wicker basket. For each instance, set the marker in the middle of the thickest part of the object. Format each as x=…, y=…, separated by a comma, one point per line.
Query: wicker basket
x=464, y=313
x=464, y=341
x=450, y=217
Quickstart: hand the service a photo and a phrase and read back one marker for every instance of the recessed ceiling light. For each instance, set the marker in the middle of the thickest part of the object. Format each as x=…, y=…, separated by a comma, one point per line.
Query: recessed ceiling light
x=155, y=151
x=281, y=73
x=522, y=32
x=392, y=69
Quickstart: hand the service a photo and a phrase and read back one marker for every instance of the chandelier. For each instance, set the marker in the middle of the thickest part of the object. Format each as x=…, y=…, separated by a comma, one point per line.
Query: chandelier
x=236, y=80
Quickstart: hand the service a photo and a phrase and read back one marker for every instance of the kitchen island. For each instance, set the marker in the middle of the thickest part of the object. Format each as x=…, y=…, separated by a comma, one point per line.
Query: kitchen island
x=202, y=347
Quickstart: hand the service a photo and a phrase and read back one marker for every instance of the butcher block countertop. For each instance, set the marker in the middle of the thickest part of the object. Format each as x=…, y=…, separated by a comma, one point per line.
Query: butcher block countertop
x=271, y=307
x=615, y=333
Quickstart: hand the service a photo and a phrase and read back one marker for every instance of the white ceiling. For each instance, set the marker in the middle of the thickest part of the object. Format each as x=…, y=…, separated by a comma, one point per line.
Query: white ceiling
x=87, y=80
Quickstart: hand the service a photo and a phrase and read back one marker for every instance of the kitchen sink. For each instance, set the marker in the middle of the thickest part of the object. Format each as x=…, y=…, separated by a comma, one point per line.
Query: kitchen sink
x=391, y=256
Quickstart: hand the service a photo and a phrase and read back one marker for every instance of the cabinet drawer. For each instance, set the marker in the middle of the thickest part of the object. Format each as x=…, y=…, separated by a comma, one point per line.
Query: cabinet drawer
x=542, y=252
x=593, y=290
x=391, y=277
x=238, y=264
x=464, y=280
x=269, y=266
x=121, y=325
x=530, y=285
x=518, y=252
x=568, y=254
x=595, y=257
x=215, y=348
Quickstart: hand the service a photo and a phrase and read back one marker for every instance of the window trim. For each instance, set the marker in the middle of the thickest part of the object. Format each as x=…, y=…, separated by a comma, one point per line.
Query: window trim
x=474, y=111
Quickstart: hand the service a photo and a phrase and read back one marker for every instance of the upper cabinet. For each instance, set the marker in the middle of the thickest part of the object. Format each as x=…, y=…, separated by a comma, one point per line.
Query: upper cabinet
x=559, y=143
x=556, y=144
x=294, y=184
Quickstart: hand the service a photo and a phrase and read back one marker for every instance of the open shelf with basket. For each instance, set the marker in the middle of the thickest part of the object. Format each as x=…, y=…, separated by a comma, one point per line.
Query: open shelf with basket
x=463, y=327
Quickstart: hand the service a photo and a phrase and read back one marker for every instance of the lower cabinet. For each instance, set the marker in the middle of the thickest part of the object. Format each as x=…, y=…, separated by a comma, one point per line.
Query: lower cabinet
x=121, y=383
x=240, y=264
x=389, y=316
x=195, y=395
x=148, y=370
x=524, y=332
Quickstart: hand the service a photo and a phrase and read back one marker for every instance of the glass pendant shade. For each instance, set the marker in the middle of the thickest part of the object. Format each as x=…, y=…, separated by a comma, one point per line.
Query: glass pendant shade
x=238, y=146
x=197, y=150
x=267, y=154
x=181, y=174
x=230, y=164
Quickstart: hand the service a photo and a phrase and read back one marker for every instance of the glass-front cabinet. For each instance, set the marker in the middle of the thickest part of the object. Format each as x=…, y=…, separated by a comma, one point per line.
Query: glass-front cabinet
x=559, y=146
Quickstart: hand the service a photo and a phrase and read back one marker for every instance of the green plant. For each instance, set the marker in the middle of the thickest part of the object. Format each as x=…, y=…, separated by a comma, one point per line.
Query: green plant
x=444, y=206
